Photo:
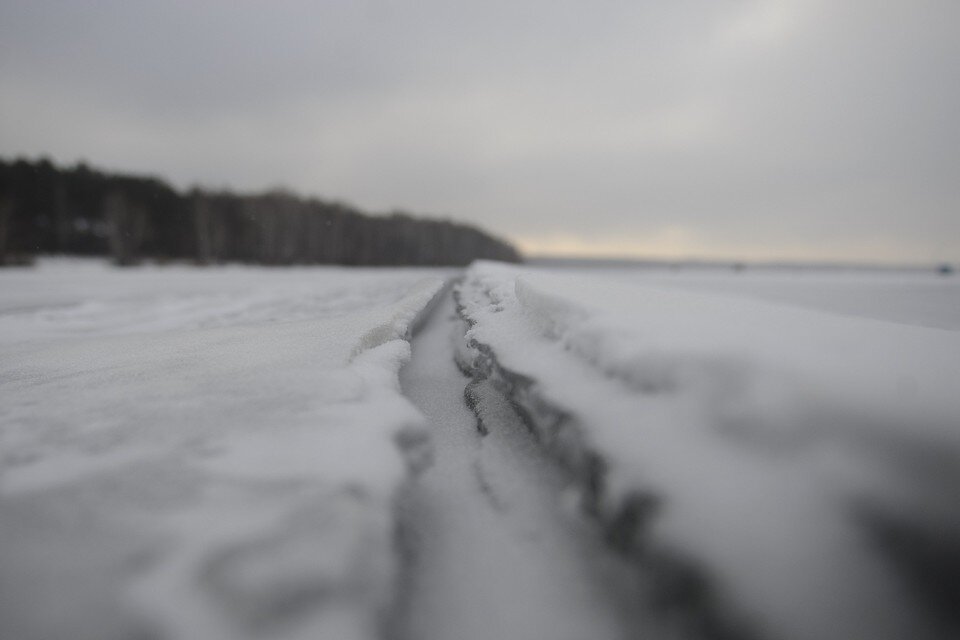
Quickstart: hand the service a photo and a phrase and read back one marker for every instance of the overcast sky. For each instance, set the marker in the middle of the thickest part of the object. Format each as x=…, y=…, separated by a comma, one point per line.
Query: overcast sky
x=818, y=129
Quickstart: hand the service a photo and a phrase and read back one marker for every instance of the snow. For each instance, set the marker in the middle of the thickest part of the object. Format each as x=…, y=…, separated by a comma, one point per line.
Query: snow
x=779, y=445
x=495, y=551
x=907, y=296
x=203, y=453
x=239, y=452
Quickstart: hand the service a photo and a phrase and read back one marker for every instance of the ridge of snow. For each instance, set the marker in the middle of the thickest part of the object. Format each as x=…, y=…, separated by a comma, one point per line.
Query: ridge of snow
x=191, y=481
x=773, y=440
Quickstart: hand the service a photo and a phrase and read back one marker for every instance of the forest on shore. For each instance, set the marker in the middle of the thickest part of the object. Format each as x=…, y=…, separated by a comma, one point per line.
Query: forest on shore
x=46, y=209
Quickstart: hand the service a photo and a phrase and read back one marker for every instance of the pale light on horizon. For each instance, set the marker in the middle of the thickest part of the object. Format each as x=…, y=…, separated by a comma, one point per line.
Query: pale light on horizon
x=679, y=244
x=754, y=130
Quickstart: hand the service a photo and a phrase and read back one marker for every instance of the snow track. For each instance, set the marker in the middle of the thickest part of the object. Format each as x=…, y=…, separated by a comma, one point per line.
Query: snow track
x=493, y=546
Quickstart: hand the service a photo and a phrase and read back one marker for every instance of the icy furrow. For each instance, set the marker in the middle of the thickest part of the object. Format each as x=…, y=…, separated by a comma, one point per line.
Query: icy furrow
x=493, y=547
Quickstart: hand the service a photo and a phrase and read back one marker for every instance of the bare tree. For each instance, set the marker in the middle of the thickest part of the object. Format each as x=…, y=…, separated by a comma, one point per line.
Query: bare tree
x=6, y=219
x=127, y=224
x=210, y=229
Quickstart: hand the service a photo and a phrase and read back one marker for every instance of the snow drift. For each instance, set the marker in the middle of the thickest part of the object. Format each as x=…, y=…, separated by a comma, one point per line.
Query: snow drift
x=180, y=458
x=783, y=473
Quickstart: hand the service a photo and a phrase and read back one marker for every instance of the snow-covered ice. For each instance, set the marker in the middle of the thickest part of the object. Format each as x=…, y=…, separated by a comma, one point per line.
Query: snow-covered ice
x=802, y=467
x=240, y=452
x=203, y=453
x=494, y=549
x=919, y=297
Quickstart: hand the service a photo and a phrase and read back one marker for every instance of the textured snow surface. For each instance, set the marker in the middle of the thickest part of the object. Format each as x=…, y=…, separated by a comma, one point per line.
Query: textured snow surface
x=224, y=453
x=806, y=463
x=494, y=549
x=202, y=453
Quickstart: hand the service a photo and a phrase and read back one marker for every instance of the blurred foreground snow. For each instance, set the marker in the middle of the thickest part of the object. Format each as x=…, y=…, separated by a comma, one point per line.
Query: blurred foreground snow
x=784, y=472
x=227, y=453
x=202, y=453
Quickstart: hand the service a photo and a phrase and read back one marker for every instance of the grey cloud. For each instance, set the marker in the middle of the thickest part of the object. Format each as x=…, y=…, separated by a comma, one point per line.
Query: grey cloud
x=755, y=127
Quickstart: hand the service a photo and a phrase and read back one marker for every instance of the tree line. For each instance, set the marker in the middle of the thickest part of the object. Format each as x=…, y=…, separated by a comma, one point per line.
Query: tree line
x=79, y=210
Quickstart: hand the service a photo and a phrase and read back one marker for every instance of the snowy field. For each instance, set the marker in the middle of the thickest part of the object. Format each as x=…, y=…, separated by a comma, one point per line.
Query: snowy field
x=202, y=453
x=247, y=452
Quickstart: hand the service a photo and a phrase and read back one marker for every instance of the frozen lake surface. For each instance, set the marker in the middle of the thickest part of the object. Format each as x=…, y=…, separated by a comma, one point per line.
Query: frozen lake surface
x=241, y=452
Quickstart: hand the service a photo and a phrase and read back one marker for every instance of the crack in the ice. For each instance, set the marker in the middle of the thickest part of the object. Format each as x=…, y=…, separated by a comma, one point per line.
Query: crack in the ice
x=472, y=400
x=680, y=591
